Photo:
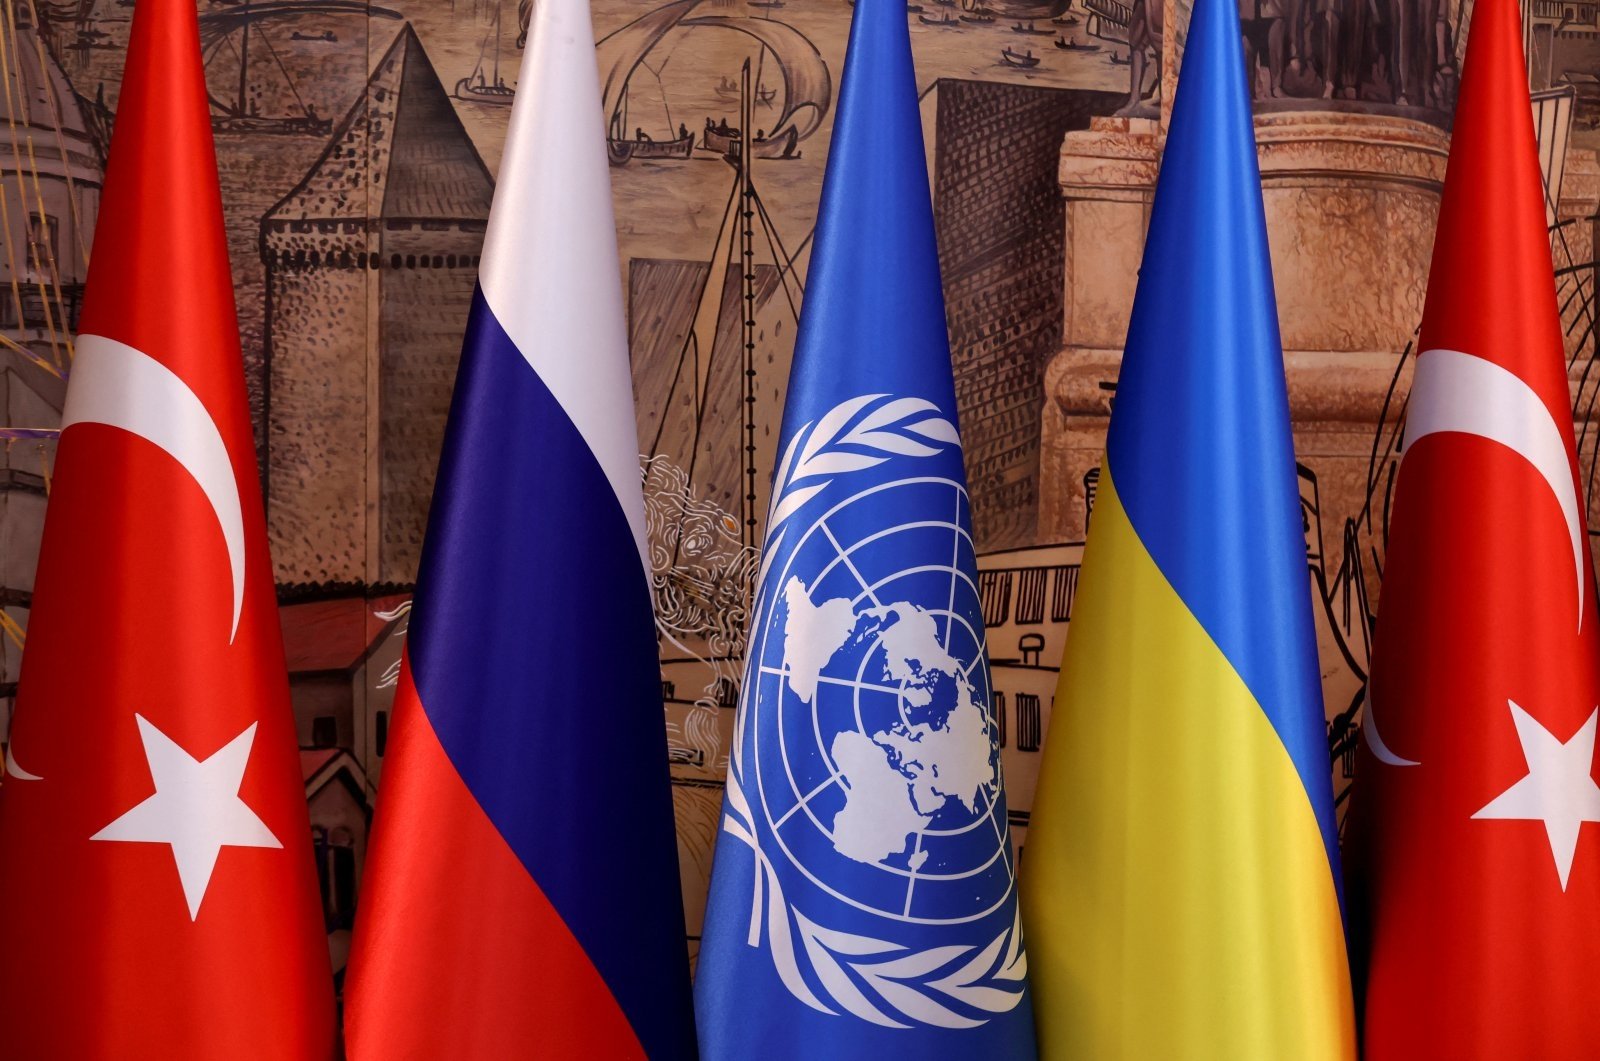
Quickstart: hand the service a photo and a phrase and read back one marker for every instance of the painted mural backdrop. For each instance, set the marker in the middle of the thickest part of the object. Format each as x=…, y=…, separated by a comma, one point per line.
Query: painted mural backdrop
x=358, y=143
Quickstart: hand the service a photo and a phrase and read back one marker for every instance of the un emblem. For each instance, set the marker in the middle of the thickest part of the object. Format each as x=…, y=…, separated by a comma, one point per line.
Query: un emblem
x=865, y=775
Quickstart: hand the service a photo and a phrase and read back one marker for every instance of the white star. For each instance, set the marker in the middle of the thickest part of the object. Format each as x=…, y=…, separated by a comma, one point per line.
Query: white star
x=1559, y=788
x=196, y=808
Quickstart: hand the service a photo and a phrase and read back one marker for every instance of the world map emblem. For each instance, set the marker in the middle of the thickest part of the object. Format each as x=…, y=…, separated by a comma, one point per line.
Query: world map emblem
x=865, y=774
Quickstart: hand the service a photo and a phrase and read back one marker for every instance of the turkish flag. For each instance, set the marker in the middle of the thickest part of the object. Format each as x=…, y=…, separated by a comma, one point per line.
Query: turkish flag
x=158, y=897
x=1475, y=866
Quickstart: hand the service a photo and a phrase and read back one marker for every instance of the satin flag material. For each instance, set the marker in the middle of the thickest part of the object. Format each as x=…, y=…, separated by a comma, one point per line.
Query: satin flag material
x=158, y=891
x=522, y=895
x=1475, y=861
x=1181, y=875
x=862, y=900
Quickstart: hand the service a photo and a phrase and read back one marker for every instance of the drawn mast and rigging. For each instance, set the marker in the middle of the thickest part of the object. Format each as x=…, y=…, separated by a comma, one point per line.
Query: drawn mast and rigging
x=750, y=257
x=707, y=463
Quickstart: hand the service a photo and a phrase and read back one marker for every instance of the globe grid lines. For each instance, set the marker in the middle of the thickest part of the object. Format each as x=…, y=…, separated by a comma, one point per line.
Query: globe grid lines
x=950, y=609
x=1000, y=849
x=869, y=590
x=828, y=679
x=998, y=835
x=859, y=686
x=807, y=798
x=911, y=881
x=758, y=699
x=957, y=576
x=900, y=528
x=765, y=631
x=951, y=617
x=844, y=558
x=981, y=643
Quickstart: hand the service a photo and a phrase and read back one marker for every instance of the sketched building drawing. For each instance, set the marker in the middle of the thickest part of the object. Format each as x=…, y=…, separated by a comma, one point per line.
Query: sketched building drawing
x=1027, y=596
x=371, y=263
x=1001, y=249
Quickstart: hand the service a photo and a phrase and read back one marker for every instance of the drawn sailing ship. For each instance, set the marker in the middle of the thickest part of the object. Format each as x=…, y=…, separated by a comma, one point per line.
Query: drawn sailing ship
x=250, y=20
x=621, y=149
x=1026, y=10
x=729, y=141
x=728, y=89
x=92, y=38
x=491, y=89
x=807, y=86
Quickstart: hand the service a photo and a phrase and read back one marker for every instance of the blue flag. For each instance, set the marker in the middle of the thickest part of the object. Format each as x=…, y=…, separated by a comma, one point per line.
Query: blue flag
x=863, y=897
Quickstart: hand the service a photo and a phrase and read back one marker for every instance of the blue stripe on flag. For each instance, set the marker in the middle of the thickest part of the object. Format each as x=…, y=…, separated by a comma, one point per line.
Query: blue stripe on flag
x=560, y=739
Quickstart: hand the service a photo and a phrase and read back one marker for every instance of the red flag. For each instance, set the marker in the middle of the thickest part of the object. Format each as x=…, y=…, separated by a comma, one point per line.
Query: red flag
x=1476, y=871
x=156, y=883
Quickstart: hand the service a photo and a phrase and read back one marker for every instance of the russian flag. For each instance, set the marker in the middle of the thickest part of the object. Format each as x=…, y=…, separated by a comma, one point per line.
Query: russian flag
x=522, y=895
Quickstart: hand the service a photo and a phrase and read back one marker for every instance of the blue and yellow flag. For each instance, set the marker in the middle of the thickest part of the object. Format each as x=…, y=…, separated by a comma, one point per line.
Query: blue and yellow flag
x=1180, y=881
x=863, y=901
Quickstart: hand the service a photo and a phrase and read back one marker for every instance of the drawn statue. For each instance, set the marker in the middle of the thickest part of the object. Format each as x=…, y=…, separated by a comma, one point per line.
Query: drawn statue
x=1343, y=38
x=1380, y=51
x=1426, y=60
x=1413, y=52
x=1266, y=30
x=1144, y=42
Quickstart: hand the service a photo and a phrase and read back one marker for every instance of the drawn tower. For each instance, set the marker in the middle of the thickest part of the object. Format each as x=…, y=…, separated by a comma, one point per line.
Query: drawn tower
x=1002, y=224
x=51, y=166
x=371, y=262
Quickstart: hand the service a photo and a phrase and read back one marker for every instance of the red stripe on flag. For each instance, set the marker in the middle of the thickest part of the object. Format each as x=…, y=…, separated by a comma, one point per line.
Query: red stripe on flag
x=458, y=952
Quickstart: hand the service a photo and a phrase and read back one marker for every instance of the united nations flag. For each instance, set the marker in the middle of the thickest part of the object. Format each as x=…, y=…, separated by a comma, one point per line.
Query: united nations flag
x=863, y=897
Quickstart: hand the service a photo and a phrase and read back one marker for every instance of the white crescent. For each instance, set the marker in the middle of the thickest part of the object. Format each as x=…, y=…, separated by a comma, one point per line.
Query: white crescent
x=1463, y=394
x=115, y=385
x=13, y=770
x=118, y=386
x=1369, y=734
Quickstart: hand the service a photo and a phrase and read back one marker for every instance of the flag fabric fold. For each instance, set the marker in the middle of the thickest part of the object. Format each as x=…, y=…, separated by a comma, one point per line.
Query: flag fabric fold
x=522, y=895
x=157, y=886
x=1181, y=875
x=1475, y=876
x=862, y=901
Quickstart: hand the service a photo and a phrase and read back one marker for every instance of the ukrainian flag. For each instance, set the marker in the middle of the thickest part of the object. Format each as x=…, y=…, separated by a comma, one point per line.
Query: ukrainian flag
x=1180, y=881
